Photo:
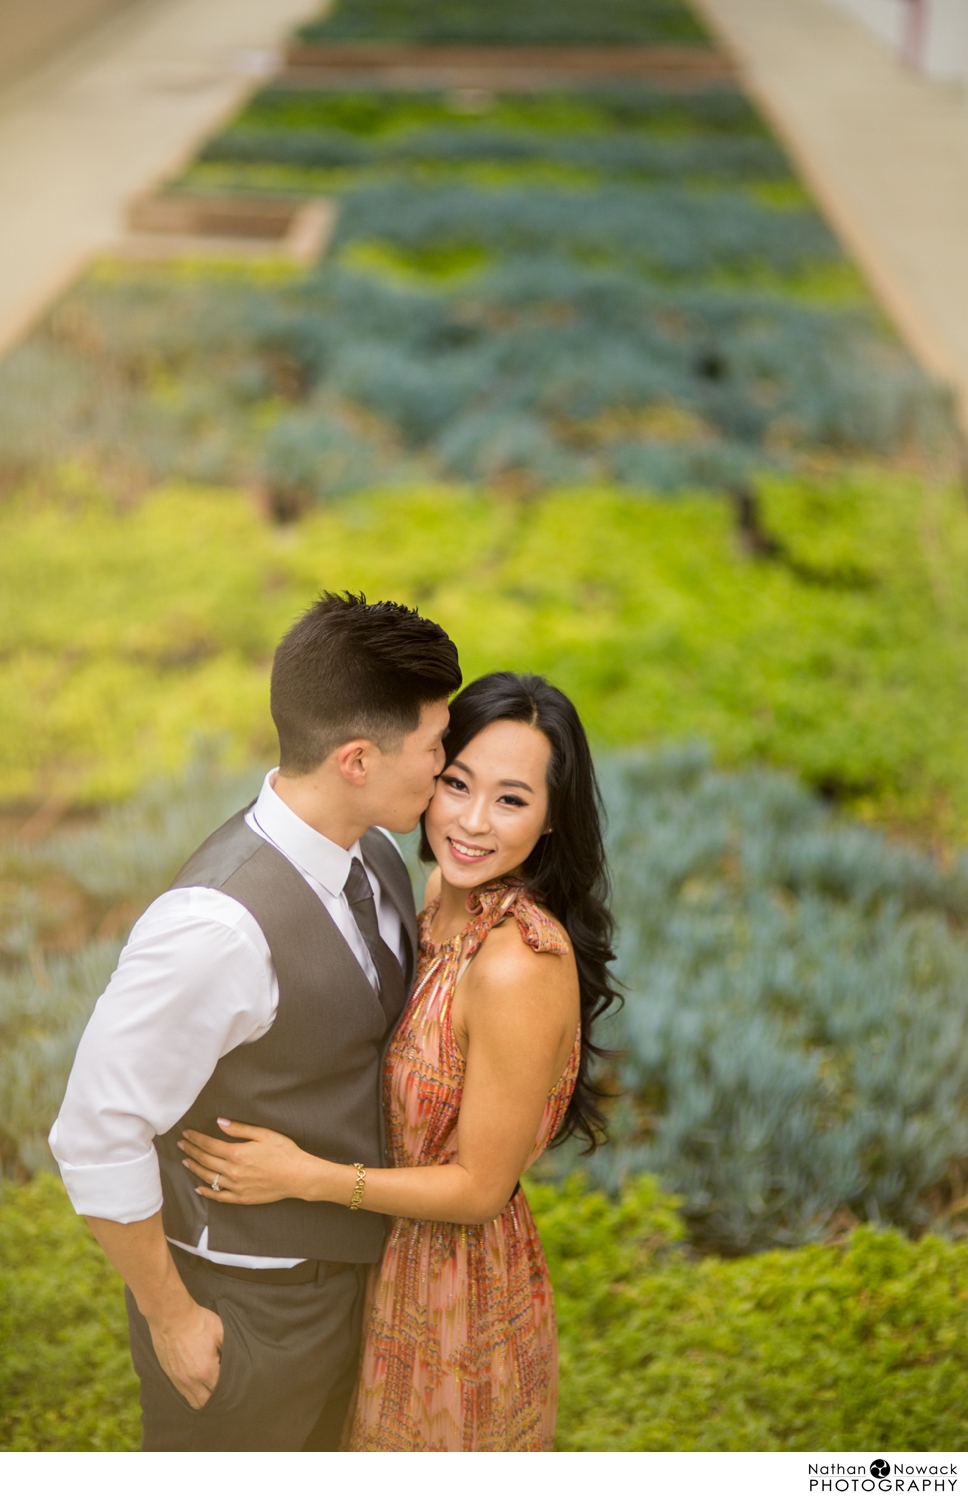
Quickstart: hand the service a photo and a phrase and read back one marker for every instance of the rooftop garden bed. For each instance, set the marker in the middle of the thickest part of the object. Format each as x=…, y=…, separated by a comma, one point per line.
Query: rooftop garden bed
x=575, y=22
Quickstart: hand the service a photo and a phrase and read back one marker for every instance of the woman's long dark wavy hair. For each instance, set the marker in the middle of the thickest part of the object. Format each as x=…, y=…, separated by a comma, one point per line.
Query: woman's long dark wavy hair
x=566, y=871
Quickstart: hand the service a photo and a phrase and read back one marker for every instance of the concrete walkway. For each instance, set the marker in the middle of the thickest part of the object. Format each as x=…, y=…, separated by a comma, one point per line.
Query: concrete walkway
x=885, y=152
x=100, y=121
x=30, y=32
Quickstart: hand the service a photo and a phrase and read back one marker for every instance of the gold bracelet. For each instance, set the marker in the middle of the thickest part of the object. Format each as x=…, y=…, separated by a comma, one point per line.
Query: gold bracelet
x=358, y=1190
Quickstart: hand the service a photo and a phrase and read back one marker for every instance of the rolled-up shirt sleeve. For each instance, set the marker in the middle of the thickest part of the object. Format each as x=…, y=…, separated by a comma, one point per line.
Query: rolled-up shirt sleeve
x=194, y=981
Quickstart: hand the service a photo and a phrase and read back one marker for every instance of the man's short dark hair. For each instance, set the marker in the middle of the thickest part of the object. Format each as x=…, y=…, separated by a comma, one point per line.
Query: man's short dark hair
x=350, y=670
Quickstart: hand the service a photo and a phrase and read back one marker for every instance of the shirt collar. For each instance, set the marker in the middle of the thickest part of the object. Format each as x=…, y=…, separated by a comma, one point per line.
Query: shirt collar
x=316, y=855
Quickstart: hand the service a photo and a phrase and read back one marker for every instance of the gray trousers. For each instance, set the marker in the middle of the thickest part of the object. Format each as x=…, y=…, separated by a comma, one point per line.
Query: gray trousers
x=288, y=1369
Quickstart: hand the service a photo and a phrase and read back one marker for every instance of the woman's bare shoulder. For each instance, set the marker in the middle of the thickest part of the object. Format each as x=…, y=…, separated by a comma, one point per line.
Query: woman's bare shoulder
x=516, y=995
x=507, y=957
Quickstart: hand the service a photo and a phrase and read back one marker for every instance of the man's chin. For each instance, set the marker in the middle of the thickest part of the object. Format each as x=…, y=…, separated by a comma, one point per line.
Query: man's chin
x=404, y=822
x=402, y=825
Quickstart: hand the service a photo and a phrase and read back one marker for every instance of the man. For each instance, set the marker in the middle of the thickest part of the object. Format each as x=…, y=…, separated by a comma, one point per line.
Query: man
x=263, y=986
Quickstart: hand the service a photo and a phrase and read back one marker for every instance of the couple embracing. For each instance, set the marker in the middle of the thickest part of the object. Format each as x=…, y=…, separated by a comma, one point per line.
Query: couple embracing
x=298, y=1116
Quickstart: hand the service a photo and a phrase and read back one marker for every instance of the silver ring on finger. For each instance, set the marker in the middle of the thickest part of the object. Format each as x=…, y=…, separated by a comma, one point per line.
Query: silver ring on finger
x=215, y=1186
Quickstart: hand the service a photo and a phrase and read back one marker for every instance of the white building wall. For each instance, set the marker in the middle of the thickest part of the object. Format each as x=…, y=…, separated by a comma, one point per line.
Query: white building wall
x=931, y=35
x=885, y=17
x=946, y=41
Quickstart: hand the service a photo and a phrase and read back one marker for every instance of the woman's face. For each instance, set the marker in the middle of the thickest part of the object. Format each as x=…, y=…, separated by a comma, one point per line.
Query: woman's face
x=491, y=804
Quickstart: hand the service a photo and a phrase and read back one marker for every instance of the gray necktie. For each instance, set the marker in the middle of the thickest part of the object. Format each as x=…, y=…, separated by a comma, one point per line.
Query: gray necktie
x=359, y=893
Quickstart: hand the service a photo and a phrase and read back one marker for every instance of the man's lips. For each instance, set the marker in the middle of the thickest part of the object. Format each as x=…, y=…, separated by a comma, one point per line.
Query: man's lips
x=468, y=854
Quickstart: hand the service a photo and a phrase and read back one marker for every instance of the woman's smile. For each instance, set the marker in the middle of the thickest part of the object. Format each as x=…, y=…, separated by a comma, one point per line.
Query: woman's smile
x=468, y=854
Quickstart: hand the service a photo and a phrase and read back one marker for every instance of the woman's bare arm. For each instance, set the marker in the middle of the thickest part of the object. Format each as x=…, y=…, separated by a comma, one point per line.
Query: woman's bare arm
x=519, y=1012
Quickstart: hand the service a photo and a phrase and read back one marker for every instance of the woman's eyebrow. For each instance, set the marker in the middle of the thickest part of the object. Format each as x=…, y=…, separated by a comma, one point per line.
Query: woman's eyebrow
x=460, y=766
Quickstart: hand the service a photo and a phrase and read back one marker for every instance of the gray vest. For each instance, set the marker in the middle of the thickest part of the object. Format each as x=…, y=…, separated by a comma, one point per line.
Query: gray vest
x=316, y=1075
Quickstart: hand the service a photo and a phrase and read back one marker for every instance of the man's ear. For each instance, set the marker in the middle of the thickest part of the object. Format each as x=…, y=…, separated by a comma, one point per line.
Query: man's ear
x=351, y=760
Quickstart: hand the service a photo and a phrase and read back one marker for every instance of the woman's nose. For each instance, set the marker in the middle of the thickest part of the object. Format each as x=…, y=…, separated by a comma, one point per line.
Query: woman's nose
x=474, y=818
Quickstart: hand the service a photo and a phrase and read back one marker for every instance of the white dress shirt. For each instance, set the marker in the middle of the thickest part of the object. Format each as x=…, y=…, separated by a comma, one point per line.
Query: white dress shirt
x=194, y=981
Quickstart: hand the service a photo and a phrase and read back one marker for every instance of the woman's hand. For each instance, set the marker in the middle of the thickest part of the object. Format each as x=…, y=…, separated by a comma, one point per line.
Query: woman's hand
x=264, y=1167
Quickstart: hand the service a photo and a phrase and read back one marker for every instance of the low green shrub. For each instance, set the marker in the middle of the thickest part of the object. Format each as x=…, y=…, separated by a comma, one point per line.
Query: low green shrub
x=795, y=1008
x=854, y=1347
x=592, y=155
x=129, y=630
x=520, y=21
x=659, y=230
x=44, y=1007
x=718, y=110
x=605, y=288
x=392, y=366
x=134, y=849
x=66, y=1382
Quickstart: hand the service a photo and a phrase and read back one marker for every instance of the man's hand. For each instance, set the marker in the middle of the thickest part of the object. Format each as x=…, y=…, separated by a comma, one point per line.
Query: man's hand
x=189, y=1350
x=187, y=1338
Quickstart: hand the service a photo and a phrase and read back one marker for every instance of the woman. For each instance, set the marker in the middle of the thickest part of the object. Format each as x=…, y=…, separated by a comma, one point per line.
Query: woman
x=488, y=1066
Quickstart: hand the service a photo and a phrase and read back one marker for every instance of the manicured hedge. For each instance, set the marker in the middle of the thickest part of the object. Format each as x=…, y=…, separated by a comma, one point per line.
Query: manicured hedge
x=618, y=285
x=614, y=286
x=661, y=231
x=718, y=109
x=854, y=1347
x=130, y=628
x=66, y=1382
x=796, y=1005
x=612, y=130
x=630, y=154
x=514, y=21
x=377, y=371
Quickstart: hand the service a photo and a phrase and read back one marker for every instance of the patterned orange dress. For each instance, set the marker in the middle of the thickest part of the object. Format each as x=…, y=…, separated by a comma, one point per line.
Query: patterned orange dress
x=459, y=1341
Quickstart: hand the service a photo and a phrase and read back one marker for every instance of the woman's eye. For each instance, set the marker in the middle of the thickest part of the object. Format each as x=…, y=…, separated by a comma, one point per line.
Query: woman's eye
x=455, y=783
x=511, y=801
